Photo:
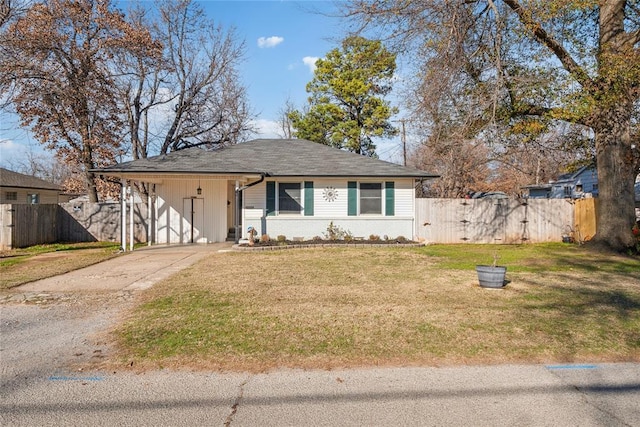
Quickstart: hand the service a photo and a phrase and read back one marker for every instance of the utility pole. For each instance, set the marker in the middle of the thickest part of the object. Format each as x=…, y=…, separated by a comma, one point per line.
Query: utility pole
x=403, y=137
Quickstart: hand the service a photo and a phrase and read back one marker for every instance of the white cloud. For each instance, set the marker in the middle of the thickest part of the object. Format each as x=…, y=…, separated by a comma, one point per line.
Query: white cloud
x=267, y=128
x=273, y=41
x=13, y=152
x=310, y=61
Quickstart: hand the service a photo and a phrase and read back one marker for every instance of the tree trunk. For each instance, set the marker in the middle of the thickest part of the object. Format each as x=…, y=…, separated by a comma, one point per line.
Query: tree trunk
x=615, y=214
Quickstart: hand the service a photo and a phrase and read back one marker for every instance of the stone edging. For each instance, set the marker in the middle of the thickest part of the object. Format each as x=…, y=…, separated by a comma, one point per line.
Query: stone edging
x=237, y=247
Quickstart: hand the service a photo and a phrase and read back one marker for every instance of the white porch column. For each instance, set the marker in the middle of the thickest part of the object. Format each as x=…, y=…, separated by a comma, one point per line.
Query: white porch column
x=123, y=215
x=131, y=216
x=237, y=216
x=155, y=214
x=149, y=222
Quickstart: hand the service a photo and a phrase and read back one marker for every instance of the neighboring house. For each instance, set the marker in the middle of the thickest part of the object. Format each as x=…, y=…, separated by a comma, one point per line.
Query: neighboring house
x=287, y=187
x=19, y=188
x=579, y=184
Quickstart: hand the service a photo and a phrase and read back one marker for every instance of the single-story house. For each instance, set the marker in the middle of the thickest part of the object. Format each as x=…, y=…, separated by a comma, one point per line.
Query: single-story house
x=577, y=185
x=289, y=187
x=17, y=188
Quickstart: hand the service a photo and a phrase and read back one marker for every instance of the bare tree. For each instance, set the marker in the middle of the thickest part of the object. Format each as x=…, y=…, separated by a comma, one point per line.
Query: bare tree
x=11, y=10
x=286, y=130
x=208, y=103
x=463, y=166
x=59, y=58
x=41, y=165
x=514, y=61
x=138, y=81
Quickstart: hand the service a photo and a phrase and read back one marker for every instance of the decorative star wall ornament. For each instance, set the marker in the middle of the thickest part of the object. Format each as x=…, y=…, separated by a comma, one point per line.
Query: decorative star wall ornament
x=330, y=194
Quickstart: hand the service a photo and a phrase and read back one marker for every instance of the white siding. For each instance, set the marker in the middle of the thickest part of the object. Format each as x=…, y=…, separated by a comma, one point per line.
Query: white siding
x=174, y=224
x=255, y=197
x=325, y=211
x=405, y=198
x=309, y=227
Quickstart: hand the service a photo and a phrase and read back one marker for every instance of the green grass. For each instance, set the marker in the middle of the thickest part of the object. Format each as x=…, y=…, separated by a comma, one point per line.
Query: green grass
x=57, y=247
x=537, y=258
x=380, y=306
x=20, y=266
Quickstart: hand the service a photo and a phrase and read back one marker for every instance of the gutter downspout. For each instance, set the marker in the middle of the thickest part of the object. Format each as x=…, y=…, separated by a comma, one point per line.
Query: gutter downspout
x=238, y=207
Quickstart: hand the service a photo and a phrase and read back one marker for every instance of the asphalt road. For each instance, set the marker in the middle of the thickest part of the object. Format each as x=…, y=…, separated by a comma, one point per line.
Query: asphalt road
x=599, y=395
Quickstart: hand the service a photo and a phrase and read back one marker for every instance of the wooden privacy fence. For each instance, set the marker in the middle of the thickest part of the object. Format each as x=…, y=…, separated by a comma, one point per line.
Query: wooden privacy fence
x=27, y=225
x=23, y=225
x=585, y=219
x=493, y=220
x=437, y=221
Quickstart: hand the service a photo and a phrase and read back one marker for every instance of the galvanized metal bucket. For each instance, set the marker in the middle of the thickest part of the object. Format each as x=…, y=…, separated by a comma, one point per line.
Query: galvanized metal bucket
x=490, y=276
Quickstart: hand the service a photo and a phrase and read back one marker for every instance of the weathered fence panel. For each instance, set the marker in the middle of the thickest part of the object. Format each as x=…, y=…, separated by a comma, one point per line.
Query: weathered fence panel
x=27, y=225
x=585, y=219
x=24, y=225
x=6, y=226
x=85, y=222
x=493, y=220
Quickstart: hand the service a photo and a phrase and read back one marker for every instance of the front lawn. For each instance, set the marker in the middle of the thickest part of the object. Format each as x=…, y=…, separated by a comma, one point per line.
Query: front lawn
x=20, y=266
x=342, y=307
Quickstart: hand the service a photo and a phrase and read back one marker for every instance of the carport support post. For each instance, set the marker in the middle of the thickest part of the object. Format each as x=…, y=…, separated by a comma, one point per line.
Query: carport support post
x=123, y=215
x=131, y=216
x=237, y=213
x=149, y=198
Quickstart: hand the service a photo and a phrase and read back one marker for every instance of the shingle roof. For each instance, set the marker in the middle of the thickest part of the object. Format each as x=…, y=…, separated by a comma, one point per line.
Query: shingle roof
x=275, y=157
x=10, y=178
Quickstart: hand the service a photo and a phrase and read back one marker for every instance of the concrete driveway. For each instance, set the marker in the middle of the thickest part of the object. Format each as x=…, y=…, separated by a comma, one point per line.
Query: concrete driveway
x=135, y=270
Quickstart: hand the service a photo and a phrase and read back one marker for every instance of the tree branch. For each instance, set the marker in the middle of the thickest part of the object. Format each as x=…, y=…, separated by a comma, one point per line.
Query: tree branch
x=545, y=38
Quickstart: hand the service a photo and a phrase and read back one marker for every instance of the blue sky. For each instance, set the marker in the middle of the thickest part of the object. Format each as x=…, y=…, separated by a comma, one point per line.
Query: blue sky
x=282, y=39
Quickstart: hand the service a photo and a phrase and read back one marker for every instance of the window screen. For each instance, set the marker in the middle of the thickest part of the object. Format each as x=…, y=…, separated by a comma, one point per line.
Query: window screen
x=370, y=198
x=289, y=198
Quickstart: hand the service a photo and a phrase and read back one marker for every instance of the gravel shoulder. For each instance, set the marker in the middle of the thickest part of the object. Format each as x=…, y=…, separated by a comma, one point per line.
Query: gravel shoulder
x=46, y=334
x=59, y=325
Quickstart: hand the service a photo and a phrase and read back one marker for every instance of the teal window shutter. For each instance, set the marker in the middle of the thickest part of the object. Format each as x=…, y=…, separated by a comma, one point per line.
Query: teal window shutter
x=390, y=198
x=308, y=198
x=352, y=198
x=271, y=198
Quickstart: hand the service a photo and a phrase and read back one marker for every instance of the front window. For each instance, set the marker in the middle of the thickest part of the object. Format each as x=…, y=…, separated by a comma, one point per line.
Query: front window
x=289, y=198
x=370, y=198
x=33, y=199
x=11, y=195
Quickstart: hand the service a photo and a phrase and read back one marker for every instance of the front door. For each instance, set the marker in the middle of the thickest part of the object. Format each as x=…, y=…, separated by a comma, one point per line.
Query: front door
x=193, y=221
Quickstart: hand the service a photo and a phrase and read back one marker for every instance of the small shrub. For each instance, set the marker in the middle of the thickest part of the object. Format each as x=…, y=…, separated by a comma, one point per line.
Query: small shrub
x=281, y=238
x=374, y=237
x=348, y=237
x=401, y=239
x=265, y=238
x=335, y=232
x=317, y=239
